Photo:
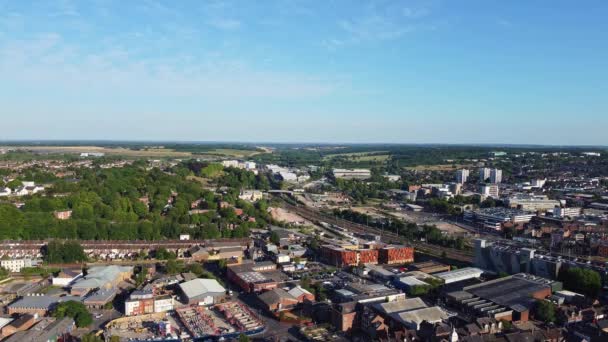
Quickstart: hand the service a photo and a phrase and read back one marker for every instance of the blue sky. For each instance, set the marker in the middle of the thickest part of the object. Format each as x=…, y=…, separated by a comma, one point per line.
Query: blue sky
x=487, y=71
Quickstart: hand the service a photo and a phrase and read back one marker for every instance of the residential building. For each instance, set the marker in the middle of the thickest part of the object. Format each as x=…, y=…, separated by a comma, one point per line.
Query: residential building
x=489, y=190
x=15, y=265
x=462, y=176
x=566, y=212
x=495, y=176
x=63, y=214
x=484, y=174
x=251, y=195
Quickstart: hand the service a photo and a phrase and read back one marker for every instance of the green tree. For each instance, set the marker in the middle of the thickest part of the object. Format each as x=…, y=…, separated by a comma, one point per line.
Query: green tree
x=274, y=238
x=243, y=338
x=91, y=338
x=581, y=280
x=75, y=310
x=544, y=311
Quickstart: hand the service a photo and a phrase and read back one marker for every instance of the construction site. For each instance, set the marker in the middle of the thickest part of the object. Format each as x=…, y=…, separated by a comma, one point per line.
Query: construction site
x=224, y=320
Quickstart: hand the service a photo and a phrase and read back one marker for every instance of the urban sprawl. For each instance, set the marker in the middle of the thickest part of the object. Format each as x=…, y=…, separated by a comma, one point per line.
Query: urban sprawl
x=303, y=243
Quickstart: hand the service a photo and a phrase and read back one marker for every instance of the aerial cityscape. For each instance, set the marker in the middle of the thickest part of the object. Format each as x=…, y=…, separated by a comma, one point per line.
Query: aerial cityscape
x=287, y=170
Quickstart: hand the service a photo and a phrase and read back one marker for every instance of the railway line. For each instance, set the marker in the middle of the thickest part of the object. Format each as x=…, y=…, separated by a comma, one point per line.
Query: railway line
x=385, y=235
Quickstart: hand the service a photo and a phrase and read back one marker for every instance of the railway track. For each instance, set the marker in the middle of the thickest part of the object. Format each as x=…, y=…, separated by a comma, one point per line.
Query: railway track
x=386, y=236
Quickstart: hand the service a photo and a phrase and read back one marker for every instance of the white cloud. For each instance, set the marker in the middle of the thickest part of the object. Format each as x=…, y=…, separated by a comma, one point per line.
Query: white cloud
x=48, y=62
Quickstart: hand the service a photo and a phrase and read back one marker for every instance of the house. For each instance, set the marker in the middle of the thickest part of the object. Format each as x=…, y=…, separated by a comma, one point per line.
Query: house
x=15, y=265
x=62, y=214
x=251, y=195
x=5, y=192
x=66, y=277
x=202, y=292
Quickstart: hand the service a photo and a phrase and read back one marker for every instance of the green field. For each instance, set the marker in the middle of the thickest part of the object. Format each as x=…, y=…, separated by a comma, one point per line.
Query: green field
x=374, y=156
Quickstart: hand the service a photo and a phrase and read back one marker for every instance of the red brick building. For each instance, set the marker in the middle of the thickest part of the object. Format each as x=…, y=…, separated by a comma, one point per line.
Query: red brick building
x=368, y=256
x=396, y=255
x=339, y=256
x=250, y=276
x=602, y=249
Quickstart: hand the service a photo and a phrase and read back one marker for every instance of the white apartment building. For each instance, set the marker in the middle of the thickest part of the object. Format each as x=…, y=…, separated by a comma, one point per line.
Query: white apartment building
x=495, y=176
x=462, y=175
x=15, y=265
x=566, y=212
x=484, y=173
x=490, y=190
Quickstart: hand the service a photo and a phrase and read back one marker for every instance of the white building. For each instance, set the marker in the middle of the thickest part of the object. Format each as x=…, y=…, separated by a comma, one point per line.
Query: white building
x=352, y=173
x=566, y=212
x=230, y=163
x=15, y=265
x=495, y=176
x=489, y=190
x=538, y=183
x=459, y=274
x=251, y=195
x=163, y=304
x=66, y=277
x=462, y=175
x=484, y=173
x=5, y=192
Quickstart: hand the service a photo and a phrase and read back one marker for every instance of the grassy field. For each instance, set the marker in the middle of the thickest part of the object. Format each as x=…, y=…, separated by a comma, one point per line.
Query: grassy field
x=151, y=152
x=232, y=153
x=374, y=156
x=439, y=167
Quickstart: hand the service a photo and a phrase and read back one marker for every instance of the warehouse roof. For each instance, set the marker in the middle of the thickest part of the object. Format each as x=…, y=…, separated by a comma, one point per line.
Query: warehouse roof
x=460, y=274
x=400, y=305
x=411, y=281
x=510, y=291
x=99, y=276
x=432, y=315
x=41, y=302
x=198, y=287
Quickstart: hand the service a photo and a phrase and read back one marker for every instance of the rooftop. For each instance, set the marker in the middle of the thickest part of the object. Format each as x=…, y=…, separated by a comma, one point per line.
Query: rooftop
x=400, y=305
x=199, y=287
x=41, y=302
x=431, y=315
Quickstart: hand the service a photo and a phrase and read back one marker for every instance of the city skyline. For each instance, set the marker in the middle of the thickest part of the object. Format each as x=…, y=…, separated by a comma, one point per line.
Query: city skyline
x=421, y=72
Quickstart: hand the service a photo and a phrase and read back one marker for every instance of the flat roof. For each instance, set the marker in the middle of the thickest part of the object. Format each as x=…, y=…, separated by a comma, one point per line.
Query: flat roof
x=411, y=281
x=400, y=305
x=460, y=274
